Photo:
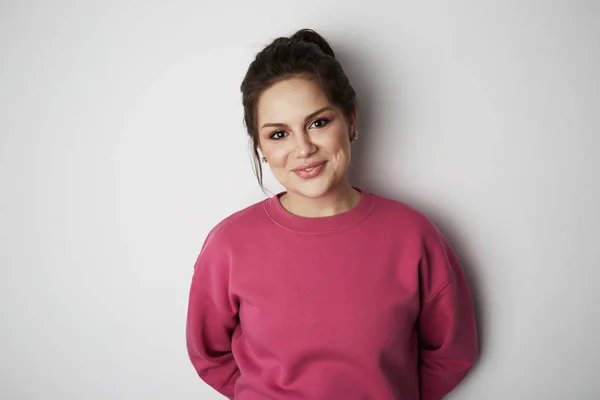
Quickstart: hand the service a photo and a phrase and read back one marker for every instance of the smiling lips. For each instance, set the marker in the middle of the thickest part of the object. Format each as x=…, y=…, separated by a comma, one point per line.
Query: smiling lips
x=308, y=171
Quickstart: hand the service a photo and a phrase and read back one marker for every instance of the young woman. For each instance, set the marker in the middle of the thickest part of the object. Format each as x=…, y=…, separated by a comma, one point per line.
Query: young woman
x=324, y=291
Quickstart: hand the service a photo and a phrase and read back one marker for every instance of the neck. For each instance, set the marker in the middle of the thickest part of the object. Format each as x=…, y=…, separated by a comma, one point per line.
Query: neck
x=336, y=201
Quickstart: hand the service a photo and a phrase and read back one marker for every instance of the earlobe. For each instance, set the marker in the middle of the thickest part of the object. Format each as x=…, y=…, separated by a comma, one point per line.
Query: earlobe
x=354, y=123
x=261, y=154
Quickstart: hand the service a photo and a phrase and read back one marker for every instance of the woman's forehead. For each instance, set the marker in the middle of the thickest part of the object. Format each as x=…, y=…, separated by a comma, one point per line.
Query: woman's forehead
x=290, y=99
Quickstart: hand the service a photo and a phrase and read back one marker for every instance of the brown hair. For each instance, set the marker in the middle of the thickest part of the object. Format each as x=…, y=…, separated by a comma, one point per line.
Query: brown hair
x=305, y=53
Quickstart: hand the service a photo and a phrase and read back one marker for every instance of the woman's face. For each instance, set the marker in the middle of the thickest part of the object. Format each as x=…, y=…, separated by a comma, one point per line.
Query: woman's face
x=304, y=137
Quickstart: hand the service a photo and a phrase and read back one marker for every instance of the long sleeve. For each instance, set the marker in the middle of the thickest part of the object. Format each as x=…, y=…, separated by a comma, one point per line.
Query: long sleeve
x=448, y=344
x=212, y=318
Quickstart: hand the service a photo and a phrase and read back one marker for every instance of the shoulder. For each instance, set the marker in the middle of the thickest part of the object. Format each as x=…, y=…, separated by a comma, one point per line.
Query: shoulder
x=238, y=225
x=412, y=225
x=404, y=216
x=415, y=228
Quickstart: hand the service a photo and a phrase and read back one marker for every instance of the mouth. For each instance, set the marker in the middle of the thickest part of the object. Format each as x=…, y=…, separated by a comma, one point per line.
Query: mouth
x=311, y=170
x=309, y=166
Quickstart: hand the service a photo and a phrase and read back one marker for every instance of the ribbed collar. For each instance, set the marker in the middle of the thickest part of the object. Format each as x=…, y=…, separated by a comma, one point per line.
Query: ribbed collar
x=332, y=223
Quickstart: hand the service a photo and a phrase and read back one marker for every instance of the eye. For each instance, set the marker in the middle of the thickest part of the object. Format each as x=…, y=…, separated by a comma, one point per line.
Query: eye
x=319, y=123
x=278, y=135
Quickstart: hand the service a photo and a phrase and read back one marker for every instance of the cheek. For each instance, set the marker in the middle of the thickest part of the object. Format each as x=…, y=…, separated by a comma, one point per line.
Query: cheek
x=276, y=155
x=339, y=146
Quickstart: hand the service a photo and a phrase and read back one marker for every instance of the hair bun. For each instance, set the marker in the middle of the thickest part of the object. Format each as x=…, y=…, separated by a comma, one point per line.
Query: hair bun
x=308, y=35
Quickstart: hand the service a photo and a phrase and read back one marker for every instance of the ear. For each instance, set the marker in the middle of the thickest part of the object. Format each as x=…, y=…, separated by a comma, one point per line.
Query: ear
x=259, y=148
x=352, y=122
x=261, y=155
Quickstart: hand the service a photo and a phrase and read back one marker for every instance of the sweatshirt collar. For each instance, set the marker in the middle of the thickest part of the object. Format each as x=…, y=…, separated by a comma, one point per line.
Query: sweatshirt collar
x=328, y=224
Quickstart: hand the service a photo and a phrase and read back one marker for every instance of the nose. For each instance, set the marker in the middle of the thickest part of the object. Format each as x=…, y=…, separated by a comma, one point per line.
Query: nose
x=304, y=145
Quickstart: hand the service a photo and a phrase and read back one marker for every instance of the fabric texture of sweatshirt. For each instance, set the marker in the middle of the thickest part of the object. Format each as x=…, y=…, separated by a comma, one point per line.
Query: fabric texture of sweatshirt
x=369, y=304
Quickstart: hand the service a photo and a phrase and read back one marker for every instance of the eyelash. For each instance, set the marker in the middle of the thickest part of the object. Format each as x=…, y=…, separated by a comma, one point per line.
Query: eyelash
x=325, y=120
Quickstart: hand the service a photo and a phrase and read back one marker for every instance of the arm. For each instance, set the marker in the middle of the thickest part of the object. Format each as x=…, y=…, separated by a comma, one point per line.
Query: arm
x=448, y=345
x=211, y=319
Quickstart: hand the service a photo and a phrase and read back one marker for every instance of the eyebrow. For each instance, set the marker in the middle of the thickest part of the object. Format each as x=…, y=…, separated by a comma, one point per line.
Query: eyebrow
x=311, y=115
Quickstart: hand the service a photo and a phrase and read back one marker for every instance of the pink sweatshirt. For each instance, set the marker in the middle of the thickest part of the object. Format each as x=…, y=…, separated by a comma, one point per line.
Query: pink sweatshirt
x=370, y=304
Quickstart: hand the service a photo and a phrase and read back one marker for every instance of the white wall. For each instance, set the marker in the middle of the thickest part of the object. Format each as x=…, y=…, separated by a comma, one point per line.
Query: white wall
x=122, y=144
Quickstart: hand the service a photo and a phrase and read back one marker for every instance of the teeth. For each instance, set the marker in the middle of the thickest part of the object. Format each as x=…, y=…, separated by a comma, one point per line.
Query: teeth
x=308, y=169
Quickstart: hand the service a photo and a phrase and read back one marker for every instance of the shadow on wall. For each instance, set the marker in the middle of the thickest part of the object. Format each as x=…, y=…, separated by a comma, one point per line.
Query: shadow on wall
x=369, y=82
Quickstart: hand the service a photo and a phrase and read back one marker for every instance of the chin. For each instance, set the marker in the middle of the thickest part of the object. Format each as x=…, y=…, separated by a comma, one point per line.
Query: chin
x=313, y=188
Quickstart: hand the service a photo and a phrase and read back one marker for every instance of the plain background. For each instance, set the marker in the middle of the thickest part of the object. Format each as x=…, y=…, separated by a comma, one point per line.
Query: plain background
x=122, y=144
